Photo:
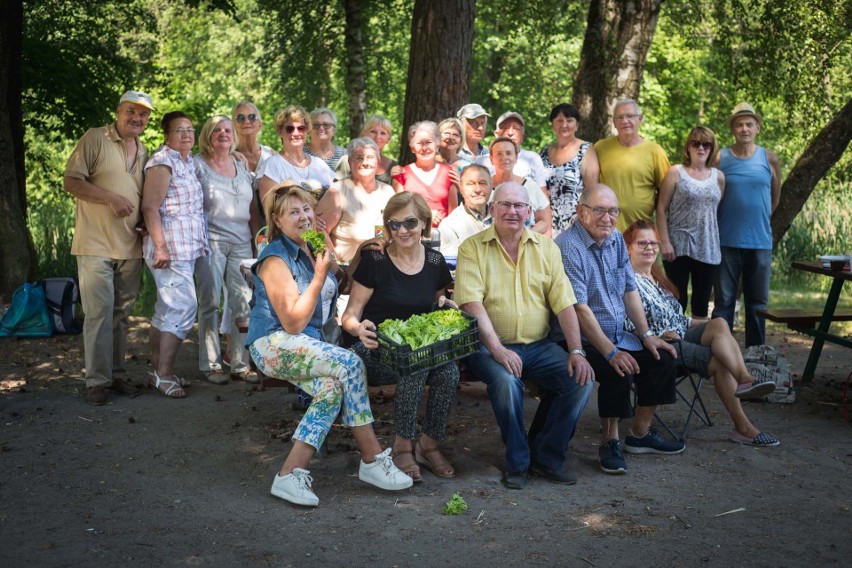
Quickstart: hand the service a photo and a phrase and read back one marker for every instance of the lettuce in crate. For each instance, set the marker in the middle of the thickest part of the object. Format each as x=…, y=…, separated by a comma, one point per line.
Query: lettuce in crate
x=425, y=329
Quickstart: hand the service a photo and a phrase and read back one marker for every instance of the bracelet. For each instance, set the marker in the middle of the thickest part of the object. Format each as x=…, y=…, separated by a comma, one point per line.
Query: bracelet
x=611, y=354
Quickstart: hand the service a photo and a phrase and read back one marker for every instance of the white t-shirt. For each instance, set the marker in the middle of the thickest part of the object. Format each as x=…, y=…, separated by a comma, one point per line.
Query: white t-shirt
x=529, y=165
x=317, y=174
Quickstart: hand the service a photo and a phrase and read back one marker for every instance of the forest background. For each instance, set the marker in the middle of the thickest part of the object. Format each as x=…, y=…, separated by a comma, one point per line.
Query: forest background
x=790, y=59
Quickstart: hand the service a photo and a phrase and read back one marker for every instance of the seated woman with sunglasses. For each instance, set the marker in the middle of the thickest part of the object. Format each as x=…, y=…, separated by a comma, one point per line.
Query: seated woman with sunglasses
x=406, y=280
x=247, y=124
x=292, y=125
x=705, y=346
x=686, y=216
x=294, y=294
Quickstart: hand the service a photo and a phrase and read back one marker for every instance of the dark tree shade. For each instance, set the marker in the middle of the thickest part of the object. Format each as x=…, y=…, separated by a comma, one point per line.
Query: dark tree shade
x=438, y=63
x=355, y=80
x=615, y=47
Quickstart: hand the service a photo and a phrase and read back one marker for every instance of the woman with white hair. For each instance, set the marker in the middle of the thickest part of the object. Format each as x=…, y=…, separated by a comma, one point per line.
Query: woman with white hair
x=247, y=123
x=321, y=145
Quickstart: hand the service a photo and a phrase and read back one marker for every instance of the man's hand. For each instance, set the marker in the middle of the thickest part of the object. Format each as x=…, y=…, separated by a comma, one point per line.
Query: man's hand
x=624, y=363
x=580, y=368
x=653, y=344
x=510, y=360
x=121, y=206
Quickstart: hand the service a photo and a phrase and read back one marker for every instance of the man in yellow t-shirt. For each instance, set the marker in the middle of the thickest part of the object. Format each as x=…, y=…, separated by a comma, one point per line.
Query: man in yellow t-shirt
x=105, y=174
x=633, y=167
x=513, y=281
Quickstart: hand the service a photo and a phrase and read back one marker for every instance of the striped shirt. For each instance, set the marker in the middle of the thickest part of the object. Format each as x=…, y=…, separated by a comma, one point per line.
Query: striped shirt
x=182, y=209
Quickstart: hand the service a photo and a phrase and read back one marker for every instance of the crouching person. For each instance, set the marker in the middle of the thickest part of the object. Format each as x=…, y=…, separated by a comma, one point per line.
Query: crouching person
x=294, y=294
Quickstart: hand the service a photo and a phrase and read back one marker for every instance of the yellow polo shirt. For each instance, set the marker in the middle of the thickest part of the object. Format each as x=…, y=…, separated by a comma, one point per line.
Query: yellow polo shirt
x=635, y=174
x=100, y=158
x=519, y=298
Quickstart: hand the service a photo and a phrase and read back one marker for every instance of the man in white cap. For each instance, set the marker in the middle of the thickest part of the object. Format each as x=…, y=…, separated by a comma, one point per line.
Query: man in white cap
x=511, y=125
x=752, y=192
x=105, y=175
x=475, y=119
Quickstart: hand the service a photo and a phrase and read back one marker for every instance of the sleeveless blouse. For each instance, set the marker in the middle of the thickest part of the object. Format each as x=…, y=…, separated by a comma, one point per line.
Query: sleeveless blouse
x=693, y=227
x=564, y=184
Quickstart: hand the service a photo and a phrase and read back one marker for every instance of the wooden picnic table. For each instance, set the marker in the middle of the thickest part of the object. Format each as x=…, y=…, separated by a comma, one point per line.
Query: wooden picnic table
x=804, y=321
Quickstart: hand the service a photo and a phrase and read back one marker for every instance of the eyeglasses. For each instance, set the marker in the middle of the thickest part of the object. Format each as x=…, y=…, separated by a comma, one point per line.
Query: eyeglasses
x=699, y=144
x=251, y=117
x=291, y=127
x=183, y=131
x=600, y=211
x=508, y=205
x=620, y=117
x=450, y=134
x=323, y=126
x=409, y=224
x=648, y=244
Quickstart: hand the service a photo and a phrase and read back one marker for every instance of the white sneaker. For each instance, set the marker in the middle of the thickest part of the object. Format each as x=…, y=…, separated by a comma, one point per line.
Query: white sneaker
x=383, y=473
x=295, y=487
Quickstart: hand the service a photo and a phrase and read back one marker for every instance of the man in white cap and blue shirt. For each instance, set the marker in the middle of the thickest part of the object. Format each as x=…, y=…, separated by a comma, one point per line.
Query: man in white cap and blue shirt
x=105, y=175
x=752, y=192
x=475, y=120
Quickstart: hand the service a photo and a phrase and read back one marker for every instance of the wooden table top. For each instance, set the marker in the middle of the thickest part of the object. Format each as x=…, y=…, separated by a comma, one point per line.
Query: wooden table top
x=817, y=268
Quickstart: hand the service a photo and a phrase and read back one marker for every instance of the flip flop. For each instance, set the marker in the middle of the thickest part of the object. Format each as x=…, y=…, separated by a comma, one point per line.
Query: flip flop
x=168, y=386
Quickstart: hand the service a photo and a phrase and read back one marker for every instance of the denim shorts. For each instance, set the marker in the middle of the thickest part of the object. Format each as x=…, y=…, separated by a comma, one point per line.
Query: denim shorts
x=692, y=354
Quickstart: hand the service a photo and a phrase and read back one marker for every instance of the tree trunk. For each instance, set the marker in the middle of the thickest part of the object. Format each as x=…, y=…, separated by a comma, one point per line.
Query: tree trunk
x=438, y=63
x=355, y=66
x=17, y=255
x=615, y=47
x=823, y=152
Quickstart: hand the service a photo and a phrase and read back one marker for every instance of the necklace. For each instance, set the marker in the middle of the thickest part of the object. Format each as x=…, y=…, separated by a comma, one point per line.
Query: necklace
x=411, y=266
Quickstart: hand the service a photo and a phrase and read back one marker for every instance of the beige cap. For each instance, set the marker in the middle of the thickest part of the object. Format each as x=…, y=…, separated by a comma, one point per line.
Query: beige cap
x=137, y=97
x=471, y=110
x=744, y=109
x=507, y=115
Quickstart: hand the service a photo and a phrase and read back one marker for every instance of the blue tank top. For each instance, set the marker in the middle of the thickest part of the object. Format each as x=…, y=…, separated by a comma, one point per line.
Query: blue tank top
x=746, y=208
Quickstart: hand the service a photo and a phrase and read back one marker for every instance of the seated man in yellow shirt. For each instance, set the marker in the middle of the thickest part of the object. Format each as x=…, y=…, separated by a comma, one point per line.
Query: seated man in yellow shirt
x=512, y=280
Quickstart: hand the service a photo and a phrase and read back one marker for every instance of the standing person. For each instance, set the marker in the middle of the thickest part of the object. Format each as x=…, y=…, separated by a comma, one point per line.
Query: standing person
x=473, y=215
x=105, y=174
x=379, y=129
x=686, y=218
x=475, y=120
x=503, y=153
x=595, y=257
x=292, y=124
x=247, y=123
x=407, y=279
x=493, y=267
x=426, y=176
x=232, y=219
x=173, y=206
x=294, y=292
x=452, y=141
x=753, y=190
x=321, y=145
x=529, y=165
x=570, y=164
x=633, y=167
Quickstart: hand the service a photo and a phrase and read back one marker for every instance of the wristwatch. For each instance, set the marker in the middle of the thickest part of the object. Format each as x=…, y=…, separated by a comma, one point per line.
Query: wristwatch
x=646, y=335
x=579, y=352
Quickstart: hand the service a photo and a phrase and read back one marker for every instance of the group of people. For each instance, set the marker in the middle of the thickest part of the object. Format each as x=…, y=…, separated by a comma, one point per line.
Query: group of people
x=563, y=297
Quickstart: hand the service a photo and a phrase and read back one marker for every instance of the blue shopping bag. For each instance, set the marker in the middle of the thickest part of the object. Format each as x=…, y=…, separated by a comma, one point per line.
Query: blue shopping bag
x=28, y=315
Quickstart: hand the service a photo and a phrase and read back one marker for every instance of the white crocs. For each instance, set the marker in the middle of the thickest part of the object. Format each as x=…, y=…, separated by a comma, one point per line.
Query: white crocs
x=383, y=473
x=295, y=487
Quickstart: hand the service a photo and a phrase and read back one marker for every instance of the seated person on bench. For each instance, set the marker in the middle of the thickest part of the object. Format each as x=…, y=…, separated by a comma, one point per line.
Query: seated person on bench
x=706, y=346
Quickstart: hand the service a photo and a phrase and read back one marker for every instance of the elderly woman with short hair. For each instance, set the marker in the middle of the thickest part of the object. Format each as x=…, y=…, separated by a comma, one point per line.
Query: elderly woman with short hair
x=247, y=123
x=292, y=124
x=452, y=140
x=321, y=145
x=232, y=219
x=173, y=208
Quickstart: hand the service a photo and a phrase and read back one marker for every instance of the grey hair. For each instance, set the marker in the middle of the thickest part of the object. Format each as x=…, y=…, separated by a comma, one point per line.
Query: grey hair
x=322, y=110
x=427, y=125
x=627, y=101
x=363, y=142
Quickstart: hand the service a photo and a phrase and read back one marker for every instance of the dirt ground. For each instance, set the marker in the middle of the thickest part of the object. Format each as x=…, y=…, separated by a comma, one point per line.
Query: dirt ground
x=148, y=481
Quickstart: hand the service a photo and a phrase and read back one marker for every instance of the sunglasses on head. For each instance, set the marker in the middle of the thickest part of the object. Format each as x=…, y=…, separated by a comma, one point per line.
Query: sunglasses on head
x=700, y=144
x=409, y=224
x=251, y=117
x=291, y=127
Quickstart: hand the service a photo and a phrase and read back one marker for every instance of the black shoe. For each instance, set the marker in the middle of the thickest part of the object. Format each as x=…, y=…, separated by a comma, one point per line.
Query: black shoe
x=556, y=476
x=515, y=480
x=96, y=396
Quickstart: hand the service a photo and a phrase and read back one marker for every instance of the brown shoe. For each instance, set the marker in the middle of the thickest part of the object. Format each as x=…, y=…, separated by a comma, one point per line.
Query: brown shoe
x=96, y=396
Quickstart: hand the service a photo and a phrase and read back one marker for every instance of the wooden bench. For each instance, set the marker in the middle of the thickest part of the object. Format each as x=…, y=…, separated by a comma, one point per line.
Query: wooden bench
x=795, y=317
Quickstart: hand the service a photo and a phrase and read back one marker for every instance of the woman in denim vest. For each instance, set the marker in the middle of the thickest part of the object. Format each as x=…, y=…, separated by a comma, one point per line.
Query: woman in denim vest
x=294, y=295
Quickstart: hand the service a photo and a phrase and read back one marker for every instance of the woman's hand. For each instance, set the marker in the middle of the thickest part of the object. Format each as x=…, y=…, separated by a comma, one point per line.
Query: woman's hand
x=377, y=243
x=444, y=301
x=670, y=336
x=322, y=264
x=396, y=170
x=437, y=217
x=667, y=251
x=454, y=176
x=367, y=334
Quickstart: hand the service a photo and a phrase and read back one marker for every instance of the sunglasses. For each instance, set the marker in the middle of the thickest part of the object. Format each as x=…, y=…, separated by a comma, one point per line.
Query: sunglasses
x=251, y=117
x=699, y=144
x=409, y=224
x=291, y=127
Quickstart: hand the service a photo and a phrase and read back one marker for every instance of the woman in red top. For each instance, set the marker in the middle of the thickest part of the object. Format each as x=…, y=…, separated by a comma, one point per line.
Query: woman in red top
x=426, y=176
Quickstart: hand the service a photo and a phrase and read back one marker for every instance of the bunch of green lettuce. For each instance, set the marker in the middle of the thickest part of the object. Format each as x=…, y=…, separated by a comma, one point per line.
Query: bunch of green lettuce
x=455, y=505
x=425, y=329
x=315, y=239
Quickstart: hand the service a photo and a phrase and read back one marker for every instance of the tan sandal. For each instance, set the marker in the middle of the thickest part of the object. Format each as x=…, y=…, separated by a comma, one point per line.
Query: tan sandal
x=412, y=470
x=437, y=463
x=248, y=376
x=168, y=386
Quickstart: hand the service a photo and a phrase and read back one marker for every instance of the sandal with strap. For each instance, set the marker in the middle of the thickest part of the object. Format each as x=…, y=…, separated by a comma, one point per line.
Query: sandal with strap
x=412, y=470
x=185, y=383
x=248, y=376
x=437, y=463
x=168, y=386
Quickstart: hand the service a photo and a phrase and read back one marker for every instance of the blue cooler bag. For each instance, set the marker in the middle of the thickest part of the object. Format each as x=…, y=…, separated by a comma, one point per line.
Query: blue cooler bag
x=28, y=315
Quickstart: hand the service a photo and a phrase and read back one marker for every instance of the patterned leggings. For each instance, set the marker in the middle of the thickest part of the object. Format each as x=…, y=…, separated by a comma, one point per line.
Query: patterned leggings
x=333, y=376
x=409, y=390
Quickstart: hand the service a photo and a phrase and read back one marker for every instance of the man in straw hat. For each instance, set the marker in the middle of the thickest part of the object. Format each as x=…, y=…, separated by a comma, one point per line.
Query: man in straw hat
x=752, y=192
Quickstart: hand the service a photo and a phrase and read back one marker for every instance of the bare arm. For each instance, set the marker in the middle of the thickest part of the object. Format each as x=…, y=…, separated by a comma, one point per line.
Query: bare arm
x=663, y=201
x=506, y=357
x=265, y=184
x=543, y=222
x=720, y=178
x=294, y=310
x=329, y=210
x=157, y=181
x=775, y=167
x=86, y=191
x=590, y=168
x=351, y=321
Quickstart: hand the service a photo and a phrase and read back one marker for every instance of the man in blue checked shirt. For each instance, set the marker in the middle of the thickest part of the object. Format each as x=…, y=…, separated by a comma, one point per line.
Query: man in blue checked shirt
x=596, y=261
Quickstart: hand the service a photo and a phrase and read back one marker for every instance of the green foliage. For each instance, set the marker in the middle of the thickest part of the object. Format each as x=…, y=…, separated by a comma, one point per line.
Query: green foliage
x=455, y=506
x=425, y=329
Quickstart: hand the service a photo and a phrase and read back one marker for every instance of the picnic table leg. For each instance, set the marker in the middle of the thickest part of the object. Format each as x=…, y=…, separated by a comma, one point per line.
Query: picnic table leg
x=825, y=322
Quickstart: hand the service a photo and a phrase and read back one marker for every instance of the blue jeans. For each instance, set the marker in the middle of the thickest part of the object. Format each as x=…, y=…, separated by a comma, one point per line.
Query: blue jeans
x=755, y=267
x=544, y=362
